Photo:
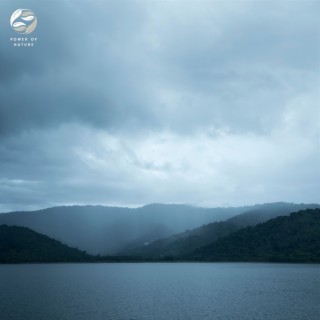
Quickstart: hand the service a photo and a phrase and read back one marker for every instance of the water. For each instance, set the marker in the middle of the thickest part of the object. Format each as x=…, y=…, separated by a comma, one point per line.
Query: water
x=160, y=291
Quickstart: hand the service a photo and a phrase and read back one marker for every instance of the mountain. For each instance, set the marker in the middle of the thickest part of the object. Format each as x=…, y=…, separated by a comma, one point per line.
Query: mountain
x=184, y=243
x=294, y=238
x=20, y=244
x=107, y=230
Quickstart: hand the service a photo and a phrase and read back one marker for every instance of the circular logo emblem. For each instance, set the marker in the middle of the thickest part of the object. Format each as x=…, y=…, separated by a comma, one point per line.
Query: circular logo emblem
x=23, y=21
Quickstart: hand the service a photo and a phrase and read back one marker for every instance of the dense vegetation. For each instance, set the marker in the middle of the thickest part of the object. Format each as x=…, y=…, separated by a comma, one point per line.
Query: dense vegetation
x=294, y=238
x=19, y=244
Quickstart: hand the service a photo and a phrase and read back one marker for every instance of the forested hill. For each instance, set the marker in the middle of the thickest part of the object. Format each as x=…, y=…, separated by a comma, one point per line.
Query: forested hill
x=20, y=244
x=294, y=238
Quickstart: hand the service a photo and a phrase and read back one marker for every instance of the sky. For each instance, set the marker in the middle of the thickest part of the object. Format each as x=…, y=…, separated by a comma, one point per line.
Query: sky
x=208, y=103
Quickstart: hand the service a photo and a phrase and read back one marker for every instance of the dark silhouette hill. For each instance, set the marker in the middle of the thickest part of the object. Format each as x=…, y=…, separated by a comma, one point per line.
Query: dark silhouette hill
x=20, y=244
x=188, y=241
x=294, y=238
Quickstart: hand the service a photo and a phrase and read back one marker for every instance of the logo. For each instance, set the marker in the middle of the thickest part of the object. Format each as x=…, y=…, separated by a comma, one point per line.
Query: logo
x=23, y=21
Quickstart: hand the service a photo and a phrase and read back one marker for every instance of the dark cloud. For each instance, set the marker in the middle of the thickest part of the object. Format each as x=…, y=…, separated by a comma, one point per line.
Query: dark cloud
x=139, y=65
x=77, y=72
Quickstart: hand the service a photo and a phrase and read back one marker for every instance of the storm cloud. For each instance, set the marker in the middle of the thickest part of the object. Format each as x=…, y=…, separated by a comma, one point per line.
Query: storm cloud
x=130, y=102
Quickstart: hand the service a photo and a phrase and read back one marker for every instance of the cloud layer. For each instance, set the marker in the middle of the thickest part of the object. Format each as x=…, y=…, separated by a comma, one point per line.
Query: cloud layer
x=200, y=102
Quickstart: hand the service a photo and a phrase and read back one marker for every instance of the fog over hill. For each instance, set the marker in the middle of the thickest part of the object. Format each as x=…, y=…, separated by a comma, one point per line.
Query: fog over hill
x=106, y=230
x=110, y=230
x=184, y=243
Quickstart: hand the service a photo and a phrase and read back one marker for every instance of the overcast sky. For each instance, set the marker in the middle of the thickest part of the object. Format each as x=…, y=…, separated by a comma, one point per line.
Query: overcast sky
x=210, y=103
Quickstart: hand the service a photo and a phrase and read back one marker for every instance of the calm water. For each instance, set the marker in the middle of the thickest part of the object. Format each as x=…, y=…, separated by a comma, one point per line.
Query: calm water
x=160, y=291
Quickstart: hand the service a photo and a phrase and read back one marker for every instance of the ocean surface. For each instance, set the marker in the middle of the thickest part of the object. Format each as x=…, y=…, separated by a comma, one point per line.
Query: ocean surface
x=166, y=291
